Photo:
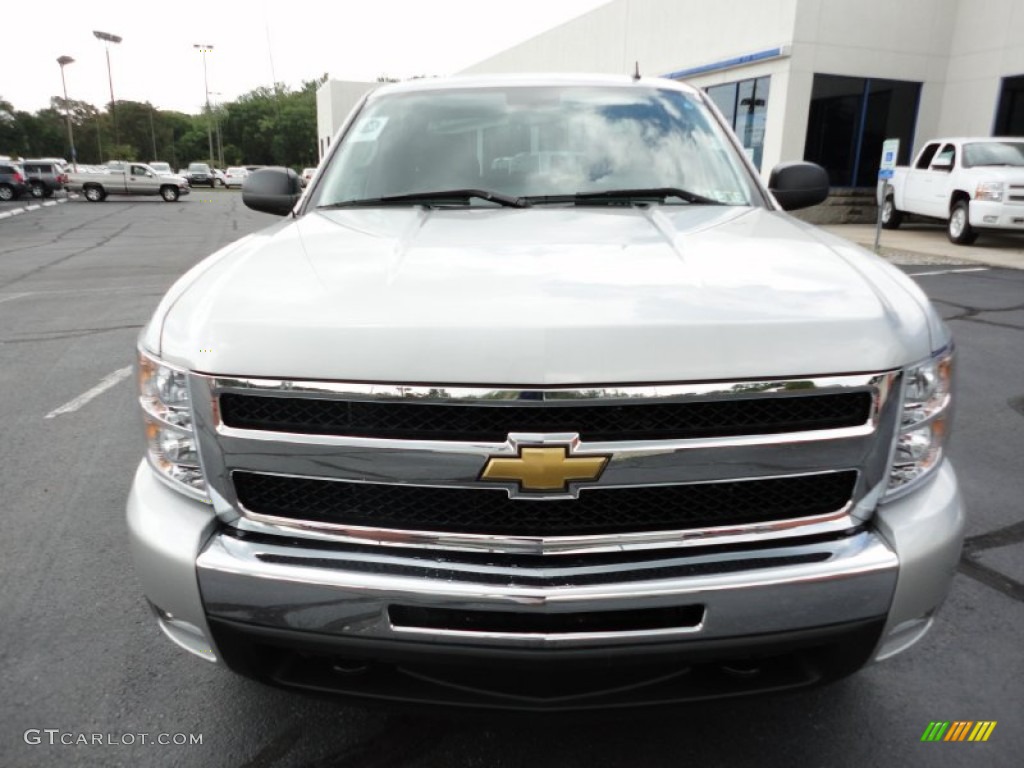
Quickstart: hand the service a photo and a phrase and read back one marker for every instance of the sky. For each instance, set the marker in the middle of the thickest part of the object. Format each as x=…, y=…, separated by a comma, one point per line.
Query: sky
x=253, y=42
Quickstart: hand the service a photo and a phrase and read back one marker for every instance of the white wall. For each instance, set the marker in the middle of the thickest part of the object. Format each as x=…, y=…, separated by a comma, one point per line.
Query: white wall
x=663, y=35
x=988, y=44
x=334, y=100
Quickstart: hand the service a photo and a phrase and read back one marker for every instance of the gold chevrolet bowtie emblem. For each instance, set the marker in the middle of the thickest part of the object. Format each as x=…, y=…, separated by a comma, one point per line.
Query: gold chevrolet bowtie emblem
x=544, y=469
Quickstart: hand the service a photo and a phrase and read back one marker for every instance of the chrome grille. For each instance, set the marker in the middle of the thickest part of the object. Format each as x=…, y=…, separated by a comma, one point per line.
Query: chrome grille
x=493, y=422
x=604, y=511
x=687, y=464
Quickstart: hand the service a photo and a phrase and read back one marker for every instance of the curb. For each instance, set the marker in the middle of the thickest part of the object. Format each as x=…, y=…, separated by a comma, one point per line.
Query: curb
x=36, y=207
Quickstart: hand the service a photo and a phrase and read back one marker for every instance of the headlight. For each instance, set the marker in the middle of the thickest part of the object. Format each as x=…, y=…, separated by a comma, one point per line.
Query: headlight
x=924, y=423
x=989, y=190
x=170, y=440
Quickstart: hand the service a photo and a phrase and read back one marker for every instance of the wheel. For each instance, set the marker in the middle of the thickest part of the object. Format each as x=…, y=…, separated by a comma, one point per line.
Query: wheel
x=94, y=194
x=959, y=228
x=212, y=183
x=891, y=218
x=220, y=182
x=6, y=192
x=37, y=189
x=170, y=194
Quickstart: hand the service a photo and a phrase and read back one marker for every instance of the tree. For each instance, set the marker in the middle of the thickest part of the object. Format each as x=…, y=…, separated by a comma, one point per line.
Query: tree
x=270, y=125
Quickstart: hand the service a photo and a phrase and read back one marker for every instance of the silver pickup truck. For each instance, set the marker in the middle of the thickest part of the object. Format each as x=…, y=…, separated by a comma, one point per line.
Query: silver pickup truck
x=132, y=179
x=537, y=398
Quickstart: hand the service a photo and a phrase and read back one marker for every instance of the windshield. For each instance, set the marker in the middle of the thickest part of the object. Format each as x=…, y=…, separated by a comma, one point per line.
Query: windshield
x=994, y=153
x=531, y=142
x=200, y=167
x=160, y=167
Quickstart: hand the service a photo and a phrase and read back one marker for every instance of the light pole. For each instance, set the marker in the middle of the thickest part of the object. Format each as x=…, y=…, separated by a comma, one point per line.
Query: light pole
x=205, y=49
x=220, y=140
x=108, y=38
x=63, y=61
x=152, y=130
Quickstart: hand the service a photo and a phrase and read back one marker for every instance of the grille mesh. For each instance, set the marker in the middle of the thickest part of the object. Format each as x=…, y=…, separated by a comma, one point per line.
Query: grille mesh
x=596, y=511
x=493, y=423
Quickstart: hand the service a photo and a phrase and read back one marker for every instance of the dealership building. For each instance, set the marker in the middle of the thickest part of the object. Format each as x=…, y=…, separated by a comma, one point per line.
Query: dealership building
x=820, y=80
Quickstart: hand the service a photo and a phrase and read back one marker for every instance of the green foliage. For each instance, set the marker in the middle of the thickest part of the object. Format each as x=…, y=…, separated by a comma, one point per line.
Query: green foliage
x=266, y=126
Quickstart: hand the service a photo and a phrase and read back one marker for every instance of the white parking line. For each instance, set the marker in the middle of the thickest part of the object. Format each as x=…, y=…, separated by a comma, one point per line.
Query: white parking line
x=949, y=271
x=37, y=206
x=109, y=381
x=13, y=296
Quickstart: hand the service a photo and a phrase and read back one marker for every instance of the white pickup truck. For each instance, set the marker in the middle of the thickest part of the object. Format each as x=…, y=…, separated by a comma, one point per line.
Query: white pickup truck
x=536, y=398
x=133, y=179
x=970, y=183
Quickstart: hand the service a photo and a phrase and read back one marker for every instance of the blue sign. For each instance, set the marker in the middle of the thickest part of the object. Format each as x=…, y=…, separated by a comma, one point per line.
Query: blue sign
x=885, y=173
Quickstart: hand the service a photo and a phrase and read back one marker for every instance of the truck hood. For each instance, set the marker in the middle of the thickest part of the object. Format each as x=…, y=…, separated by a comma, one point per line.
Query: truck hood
x=1007, y=174
x=544, y=296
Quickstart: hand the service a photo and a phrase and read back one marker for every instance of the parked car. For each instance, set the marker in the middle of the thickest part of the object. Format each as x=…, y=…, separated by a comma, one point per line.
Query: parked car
x=307, y=175
x=200, y=173
x=45, y=177
x=235, y=176
x=135, y=179
x=219, y=178
x=164, y=169
x=970, y=183
x=13, y=182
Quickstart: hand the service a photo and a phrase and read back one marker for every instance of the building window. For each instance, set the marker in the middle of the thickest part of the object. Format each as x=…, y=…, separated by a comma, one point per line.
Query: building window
x=744, y=105
x=1010, y=114
x=849, y=119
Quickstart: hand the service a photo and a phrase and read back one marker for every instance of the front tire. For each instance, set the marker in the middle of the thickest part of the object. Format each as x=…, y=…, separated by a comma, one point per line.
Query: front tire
x=6, y=192
x=891, y=218
x=37, y=190
x=959, y=226
x=169, y=194
x=94, y=194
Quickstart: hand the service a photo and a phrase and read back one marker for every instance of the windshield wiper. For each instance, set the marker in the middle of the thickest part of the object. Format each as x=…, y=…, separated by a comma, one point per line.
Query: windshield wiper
x=442, y=196
x=654, y=194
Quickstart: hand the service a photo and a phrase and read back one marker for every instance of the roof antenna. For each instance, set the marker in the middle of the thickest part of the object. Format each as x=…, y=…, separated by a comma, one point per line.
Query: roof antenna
x=636, y=71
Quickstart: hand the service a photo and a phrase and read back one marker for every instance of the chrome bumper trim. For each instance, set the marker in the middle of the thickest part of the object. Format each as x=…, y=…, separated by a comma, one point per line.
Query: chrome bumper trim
x=321, y=590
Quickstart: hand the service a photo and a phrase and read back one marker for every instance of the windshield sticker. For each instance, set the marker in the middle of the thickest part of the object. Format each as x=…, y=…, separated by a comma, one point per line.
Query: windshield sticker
x=369, y=130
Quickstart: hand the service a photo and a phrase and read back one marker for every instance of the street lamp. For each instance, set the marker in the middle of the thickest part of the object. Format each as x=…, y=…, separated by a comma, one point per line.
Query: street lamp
x=64, y=61
x=220, y=140
x=152, y=130
x=205, y=49
x=108, y=38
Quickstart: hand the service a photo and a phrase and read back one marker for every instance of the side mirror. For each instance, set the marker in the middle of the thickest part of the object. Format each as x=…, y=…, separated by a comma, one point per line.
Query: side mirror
x=798, y=185
x=272, y=190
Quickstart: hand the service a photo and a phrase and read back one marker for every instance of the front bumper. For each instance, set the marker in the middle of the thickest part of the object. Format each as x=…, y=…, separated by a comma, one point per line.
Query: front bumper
x=310, y=614
x=989, y=214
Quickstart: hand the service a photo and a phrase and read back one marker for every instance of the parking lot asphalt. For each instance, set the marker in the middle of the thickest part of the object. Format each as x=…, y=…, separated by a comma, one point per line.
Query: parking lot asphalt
x=80, y=653
x=925, y=242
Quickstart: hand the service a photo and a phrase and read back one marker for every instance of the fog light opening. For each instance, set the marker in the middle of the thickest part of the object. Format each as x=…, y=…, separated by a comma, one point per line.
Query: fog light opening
x=349, y=667
x=904, y=635
x=184, y=634
x=744, y=669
